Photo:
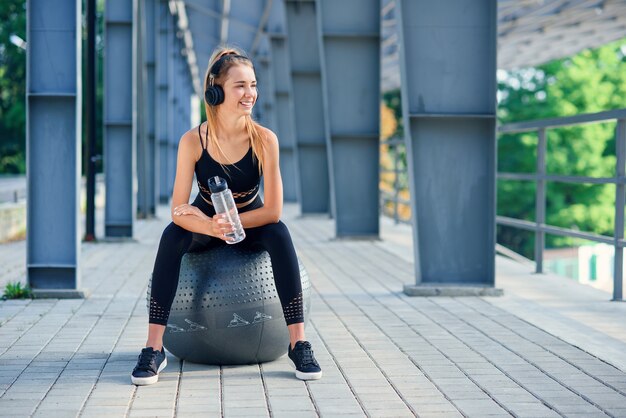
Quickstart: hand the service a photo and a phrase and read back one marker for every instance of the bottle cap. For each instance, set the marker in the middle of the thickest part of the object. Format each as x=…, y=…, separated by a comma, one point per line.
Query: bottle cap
x=217, y=184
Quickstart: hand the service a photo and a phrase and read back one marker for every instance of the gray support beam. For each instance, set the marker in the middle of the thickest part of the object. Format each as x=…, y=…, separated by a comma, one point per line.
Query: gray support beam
x=350, y=57
x=146, y=155
x=448, y=74
x=119, y=135
x=141, y=138
x=172, y=103
x=264, y=109
x=151, y=95
x=186, y=93
x=53, y=129
x=284, y=116
x=304, y=60
x=163, y=107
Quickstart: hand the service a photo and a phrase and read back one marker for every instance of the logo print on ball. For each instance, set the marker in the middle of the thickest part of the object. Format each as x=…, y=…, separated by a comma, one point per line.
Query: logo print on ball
x=237, y=321
x=260, y=317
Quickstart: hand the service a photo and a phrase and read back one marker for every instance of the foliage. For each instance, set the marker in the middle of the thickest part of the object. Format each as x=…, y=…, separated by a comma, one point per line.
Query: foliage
x=12, y=87
x=589, y=82
x=392, y=128
x=15, y=290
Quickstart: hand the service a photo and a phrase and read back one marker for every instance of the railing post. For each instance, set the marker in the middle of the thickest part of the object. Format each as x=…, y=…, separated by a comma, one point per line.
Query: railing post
x=620, y=172
x=540, y=199
x=396, y=190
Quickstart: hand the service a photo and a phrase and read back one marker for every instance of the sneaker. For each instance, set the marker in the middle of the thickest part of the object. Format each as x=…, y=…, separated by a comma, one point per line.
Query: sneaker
x=306, y=365
x=149, y=364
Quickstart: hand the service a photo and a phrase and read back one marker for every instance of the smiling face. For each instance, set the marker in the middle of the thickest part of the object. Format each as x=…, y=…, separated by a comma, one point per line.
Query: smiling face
x=240, y=91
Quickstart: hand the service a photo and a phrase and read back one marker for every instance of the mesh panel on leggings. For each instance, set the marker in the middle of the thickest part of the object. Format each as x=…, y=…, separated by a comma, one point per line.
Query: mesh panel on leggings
x=157, y=313
x=294, y=312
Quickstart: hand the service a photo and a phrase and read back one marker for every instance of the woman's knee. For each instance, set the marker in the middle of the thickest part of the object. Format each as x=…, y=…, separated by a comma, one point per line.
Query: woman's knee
x=277, y=231
x=176, y=237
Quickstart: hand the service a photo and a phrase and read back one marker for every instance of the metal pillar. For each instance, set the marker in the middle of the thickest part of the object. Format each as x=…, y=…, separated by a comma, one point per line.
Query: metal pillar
x=304, y=60
x=283, y=117
x=448, y=88
x=146, y=196
x=185, y=93
x=350, y=55
x=89, y=164
x=264, y=109
x=162, y=100
x=140, y=82
x=119, y=135
x=53, y=129
x=172, y=102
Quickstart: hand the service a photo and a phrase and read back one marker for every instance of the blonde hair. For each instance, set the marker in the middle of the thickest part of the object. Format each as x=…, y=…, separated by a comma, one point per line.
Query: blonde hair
x=252, y=127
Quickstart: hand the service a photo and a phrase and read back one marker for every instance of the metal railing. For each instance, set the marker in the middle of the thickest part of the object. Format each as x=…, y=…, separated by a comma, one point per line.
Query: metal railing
x=541, y=177
x=12, y=188
x=12, y=196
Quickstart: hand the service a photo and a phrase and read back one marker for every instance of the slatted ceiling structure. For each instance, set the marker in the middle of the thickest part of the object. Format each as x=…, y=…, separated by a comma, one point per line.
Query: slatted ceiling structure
x=390, y=72
x=532, y=32
x=211, y=22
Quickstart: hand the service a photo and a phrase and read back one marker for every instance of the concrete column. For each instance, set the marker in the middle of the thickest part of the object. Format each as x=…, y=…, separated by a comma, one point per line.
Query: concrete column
x=53, y=129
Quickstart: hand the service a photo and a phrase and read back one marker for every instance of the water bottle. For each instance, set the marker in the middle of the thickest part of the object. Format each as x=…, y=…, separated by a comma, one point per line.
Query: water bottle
x=224, y=203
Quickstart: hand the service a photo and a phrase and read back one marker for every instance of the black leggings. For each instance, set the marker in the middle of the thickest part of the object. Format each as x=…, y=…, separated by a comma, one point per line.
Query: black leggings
x=273, y=238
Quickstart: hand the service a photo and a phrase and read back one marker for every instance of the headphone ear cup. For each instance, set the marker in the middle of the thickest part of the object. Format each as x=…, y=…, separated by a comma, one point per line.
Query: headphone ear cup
x=214, y=95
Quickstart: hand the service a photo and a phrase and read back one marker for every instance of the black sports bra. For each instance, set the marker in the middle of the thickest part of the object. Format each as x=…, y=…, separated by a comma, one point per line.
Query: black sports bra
x=242, y=177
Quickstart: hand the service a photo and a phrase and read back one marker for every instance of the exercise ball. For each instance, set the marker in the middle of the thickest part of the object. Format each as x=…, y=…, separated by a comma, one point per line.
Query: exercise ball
x=226, y=310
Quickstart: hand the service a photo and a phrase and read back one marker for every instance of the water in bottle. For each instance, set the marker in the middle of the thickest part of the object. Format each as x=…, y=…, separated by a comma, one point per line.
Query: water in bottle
x=224, y=203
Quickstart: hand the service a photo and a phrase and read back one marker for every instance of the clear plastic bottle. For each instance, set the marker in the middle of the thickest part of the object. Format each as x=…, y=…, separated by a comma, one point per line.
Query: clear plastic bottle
x=224, y=203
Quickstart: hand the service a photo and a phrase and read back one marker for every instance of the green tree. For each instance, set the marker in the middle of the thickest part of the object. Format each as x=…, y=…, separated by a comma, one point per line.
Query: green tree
x=592, y=81
x=12, y=87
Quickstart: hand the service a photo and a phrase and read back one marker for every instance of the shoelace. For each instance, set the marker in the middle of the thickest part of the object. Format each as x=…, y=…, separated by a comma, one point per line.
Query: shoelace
x=307, y=355
x=145, y=359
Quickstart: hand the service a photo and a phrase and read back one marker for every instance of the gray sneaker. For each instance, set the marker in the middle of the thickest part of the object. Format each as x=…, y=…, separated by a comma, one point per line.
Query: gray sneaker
x=149, y=364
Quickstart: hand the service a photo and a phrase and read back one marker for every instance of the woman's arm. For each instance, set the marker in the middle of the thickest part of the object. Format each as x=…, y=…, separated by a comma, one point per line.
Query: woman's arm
x=185, y=163
x=272, y=188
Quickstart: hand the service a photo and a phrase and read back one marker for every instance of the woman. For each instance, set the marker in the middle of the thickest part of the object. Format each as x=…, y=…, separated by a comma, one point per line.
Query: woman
x=229, y=135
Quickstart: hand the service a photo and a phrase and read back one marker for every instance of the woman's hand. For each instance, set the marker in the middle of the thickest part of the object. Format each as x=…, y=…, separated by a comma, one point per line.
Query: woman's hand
x=220, y=226
x=187, y=209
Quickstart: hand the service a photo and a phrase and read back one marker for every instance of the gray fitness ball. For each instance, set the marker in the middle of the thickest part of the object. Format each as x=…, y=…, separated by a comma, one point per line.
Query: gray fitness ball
x=226, y=309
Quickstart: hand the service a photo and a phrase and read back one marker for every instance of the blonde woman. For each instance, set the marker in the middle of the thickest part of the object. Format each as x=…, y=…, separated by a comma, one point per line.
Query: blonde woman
x=232, y=146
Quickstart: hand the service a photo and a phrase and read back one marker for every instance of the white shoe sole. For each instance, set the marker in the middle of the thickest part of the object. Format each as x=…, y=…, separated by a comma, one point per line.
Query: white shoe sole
x=143, y=381
x=308, y=376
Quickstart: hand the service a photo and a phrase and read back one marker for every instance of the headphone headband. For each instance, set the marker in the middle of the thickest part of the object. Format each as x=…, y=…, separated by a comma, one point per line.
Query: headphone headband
x=217, y=66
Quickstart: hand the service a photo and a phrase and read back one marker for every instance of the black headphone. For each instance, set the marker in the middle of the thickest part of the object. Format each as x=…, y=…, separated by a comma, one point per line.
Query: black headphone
x=214, y=94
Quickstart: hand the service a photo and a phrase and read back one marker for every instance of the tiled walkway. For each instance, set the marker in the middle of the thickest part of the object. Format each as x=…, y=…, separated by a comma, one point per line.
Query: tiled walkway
x=383, y=354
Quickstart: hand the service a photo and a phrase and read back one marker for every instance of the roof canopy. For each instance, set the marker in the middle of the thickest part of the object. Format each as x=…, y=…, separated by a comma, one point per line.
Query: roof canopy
x=530, y=32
